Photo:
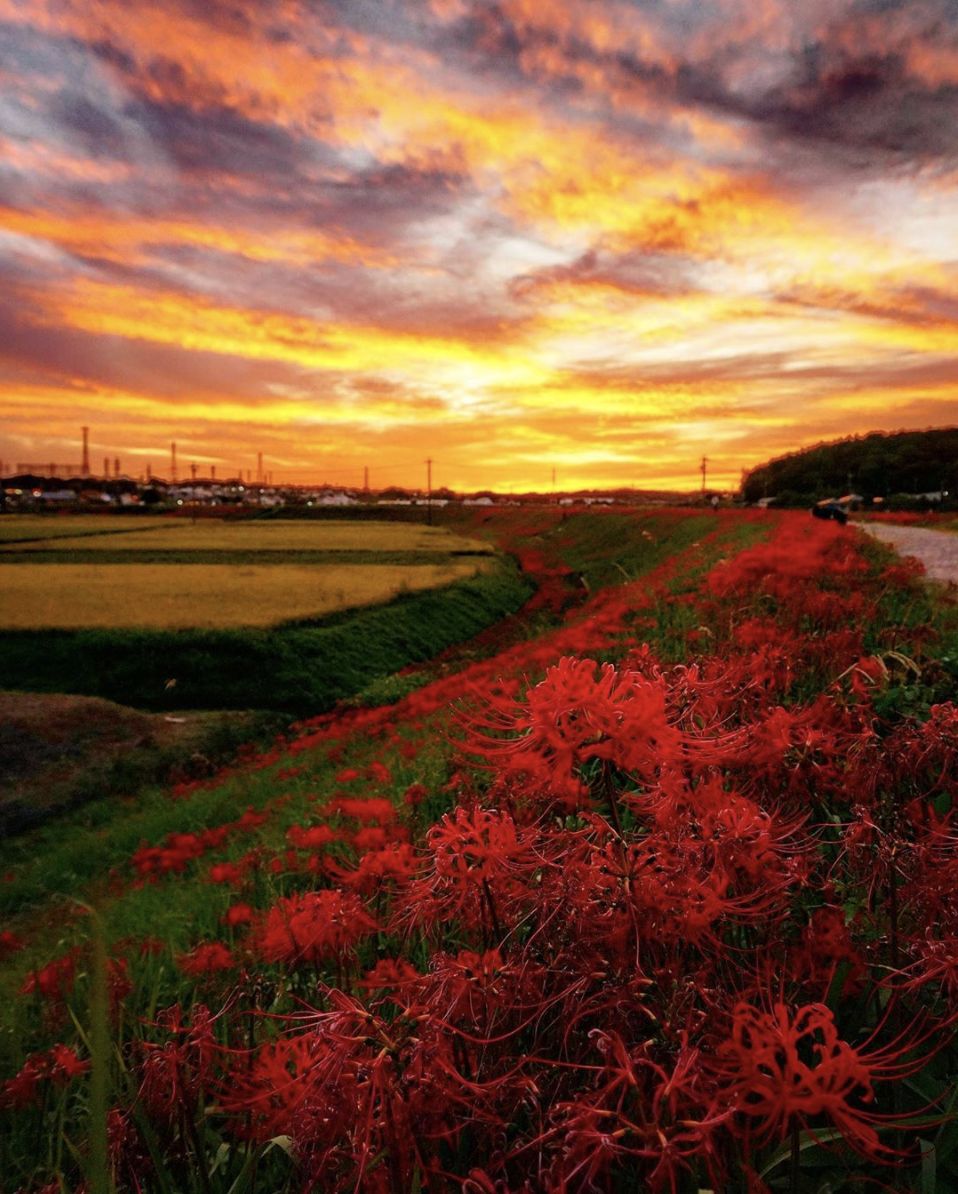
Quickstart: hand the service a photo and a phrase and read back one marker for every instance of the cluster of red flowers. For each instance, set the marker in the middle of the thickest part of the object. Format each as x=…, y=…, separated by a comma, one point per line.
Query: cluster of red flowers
x=672, y=916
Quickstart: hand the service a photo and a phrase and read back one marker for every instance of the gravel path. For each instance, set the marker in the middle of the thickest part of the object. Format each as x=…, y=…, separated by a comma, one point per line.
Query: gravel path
x=937, y=550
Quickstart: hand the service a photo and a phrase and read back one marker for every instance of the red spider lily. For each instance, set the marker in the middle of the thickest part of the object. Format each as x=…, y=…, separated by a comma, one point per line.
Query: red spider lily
x=936, y=963
x=370, y=838
x=379, y=773
x=336, y=1090
x=238, y=914
x=55, y=980
x=573, y=716
x=390, y=974
x=790, y=1066
x=310, y=837
x=10, y=944
x=478, y=867
x=251, y=819
x=23, y=1089
x=656, y=1118
x=414, y=795
x=59, y=1065
x=311, y=928
x=208, y=958
x=227, y=872
x=175, y=1075
x=485, y=994
x=373, y=809
x=266, y=1092
x=826, y=946
x=393, y=864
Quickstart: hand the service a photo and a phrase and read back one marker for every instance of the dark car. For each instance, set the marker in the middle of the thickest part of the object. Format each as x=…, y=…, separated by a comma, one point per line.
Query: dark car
x=832, y=510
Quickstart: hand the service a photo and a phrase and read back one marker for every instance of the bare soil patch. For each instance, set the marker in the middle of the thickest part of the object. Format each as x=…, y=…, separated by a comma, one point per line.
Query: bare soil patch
x=58, y=750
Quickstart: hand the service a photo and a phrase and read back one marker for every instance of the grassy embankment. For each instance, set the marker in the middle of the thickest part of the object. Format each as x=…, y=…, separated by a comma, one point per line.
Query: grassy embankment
x=62, y=859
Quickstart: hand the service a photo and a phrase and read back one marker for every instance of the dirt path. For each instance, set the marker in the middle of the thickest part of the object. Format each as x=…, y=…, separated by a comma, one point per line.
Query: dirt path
x=937, y=550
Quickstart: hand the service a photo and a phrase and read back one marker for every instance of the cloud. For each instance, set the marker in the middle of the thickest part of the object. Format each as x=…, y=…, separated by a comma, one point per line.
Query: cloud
x=532, y=226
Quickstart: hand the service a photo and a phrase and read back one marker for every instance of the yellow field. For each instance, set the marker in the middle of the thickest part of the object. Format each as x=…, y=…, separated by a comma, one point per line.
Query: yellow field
x=182, y=535
x=54, y=526
x=173, y=596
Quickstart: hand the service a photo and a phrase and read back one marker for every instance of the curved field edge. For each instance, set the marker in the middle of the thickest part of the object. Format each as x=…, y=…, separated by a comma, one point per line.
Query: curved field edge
x=300, y=668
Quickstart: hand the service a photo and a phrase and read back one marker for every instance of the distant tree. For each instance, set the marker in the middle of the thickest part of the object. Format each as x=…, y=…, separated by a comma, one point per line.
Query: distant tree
x=874, y=465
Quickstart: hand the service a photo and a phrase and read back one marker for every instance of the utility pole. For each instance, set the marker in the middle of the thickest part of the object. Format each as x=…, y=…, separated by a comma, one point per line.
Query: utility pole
x=193, y=470
x=702, y=468
x=85, y=466
x=366, y=479
x=259, y=468
x=173, y=462
x=429, y=491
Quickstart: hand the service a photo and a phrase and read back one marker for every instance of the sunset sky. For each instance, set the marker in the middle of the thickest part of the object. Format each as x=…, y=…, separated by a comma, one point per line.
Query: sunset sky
x=600, y=237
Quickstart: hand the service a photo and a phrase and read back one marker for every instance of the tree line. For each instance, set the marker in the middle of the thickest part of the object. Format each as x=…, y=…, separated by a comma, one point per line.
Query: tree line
x=900, y=467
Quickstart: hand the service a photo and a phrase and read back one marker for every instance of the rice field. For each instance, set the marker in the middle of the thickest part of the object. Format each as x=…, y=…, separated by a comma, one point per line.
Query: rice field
x=204, y=596
x=20, y=528
x=182, y=535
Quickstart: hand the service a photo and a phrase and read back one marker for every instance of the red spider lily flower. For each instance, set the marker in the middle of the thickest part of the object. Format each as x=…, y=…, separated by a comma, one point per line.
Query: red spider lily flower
x=574, y=715
x=827, y=945
x=238, y=914
x=936, y=963
x=347, y=776
x=414, y=795
x=396, y=863
x=379, y=773
x=307, y=929
x=66, y=1064
x=59, y=1065
x=251, y=819
x=55, y=980
x=659, y=1118
x=23, y=1089
x=227, y=872
x=479, y=865
x=174, y=1075
x=370, y=838
x=310, y=837
x=390, y=974
x=787, y=1066
x=209, y=958
x=10, y=944
x=267, y=1093
x=373, y=809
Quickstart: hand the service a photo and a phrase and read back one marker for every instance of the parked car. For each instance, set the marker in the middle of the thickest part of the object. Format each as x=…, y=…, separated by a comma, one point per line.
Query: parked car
x=830, y=509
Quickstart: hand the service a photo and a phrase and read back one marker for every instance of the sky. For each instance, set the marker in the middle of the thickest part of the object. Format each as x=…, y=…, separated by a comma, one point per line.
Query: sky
x=604, y=237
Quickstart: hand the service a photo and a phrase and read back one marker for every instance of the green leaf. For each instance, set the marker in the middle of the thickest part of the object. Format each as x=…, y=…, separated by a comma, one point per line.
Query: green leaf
x=929, y=1167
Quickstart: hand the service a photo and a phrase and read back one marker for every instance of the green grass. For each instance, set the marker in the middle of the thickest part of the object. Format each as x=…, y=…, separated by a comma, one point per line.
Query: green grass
x=609, y=548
